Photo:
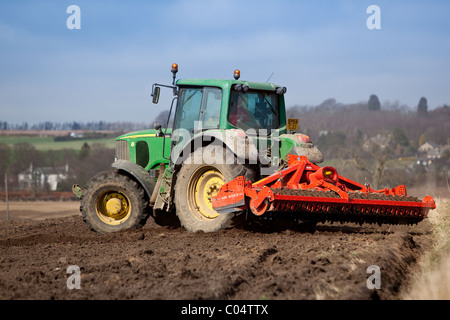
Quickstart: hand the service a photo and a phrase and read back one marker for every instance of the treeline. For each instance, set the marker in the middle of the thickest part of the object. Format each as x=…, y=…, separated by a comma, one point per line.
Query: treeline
x=123, y=126
x=117, y=126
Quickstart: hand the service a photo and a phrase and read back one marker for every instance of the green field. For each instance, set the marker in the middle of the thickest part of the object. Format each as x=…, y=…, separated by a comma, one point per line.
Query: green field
x=47, y=143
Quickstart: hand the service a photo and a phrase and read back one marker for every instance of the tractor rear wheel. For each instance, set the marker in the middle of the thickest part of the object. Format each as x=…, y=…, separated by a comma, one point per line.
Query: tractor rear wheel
x=195, y=186
x=113, y=202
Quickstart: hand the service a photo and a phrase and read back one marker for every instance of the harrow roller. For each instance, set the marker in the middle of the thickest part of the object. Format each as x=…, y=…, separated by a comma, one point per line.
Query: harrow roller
x=320, y=194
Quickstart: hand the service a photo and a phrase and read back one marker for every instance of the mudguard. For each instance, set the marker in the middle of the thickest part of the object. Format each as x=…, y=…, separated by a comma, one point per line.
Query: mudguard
x=139, y=173
x=235, y=140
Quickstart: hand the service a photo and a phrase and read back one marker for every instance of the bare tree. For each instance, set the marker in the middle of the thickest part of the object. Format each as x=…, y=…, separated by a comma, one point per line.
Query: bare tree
x=377, y=172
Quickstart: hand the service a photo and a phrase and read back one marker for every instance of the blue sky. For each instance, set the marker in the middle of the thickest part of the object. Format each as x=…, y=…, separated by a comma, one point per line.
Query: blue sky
x=317, y=49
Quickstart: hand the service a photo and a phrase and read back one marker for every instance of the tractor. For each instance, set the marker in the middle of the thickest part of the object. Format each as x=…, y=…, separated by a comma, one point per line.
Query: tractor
x=227, y=153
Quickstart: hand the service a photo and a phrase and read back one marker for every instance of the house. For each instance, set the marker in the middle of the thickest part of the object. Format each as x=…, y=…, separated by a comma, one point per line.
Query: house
x=429, y=152
x=426, y=147
x=44, y=178
x=434, y=154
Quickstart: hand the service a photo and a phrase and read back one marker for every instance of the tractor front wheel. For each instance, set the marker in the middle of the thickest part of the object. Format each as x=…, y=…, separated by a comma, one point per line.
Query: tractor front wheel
x=113, y=202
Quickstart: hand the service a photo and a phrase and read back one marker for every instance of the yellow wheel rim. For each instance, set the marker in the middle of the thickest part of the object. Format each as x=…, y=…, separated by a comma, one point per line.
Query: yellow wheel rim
x=113, y=207
x=203, y=186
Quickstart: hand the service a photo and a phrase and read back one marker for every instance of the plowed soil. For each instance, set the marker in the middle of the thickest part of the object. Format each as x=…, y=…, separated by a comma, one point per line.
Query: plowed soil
x=158, y=262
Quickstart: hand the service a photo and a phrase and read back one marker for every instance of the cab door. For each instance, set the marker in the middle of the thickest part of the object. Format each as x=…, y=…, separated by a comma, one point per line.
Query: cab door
x=198, y=109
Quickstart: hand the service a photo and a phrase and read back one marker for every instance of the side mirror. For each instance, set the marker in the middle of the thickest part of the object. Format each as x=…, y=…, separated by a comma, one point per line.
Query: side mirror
x=155, y=94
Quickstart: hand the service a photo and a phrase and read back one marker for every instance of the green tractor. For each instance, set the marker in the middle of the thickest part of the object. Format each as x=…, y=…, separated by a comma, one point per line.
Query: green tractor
x=221, y=129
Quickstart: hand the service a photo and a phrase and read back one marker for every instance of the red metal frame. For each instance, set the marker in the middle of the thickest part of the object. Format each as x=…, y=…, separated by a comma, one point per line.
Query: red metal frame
x=301, y=174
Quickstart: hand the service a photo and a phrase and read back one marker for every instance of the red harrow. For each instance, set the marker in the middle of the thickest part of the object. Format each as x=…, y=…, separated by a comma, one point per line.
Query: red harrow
x=319, y=194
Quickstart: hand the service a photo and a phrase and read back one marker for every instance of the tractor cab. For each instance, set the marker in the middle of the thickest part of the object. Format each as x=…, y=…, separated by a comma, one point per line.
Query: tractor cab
x=228, y=104
x=206, y=107
x=204, y=104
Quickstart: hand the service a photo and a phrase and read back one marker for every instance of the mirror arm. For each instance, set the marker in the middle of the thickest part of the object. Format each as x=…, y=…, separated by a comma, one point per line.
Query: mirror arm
x=175, y=88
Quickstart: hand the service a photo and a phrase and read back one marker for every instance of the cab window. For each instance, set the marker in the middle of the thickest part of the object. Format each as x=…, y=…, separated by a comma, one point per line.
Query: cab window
x=189, y=103
x=210, y=113
x=254, y=109
x=198, y=108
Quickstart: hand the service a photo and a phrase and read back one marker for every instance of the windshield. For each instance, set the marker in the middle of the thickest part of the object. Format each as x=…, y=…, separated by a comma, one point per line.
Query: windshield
x=254, y=109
